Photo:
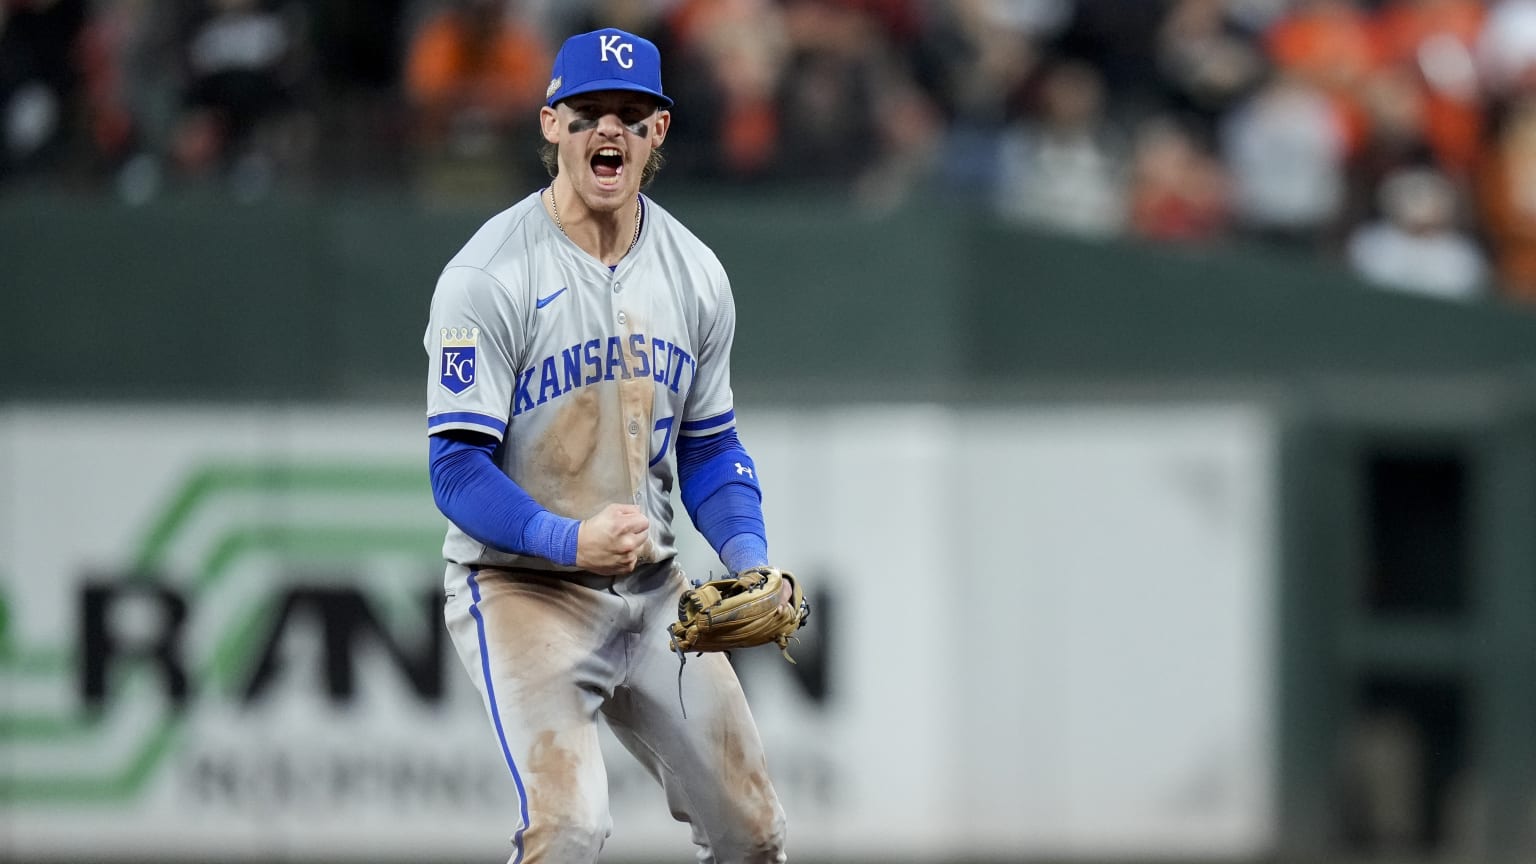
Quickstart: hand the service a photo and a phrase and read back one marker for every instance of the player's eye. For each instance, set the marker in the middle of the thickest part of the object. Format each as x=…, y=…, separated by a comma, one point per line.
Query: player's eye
x=629, y=114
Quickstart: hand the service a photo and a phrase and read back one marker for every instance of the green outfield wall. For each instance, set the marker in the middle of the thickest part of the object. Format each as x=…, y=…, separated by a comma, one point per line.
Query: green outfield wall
x=191, y=300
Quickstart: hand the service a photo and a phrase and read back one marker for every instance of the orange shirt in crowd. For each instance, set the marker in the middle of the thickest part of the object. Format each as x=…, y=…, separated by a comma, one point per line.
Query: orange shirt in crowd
x=459, y=59
x=1330, y=45
x=1436, y=39
x=1507, y=197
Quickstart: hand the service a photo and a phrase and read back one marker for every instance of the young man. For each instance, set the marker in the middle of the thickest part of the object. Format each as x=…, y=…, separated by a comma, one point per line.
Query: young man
x=575, y=341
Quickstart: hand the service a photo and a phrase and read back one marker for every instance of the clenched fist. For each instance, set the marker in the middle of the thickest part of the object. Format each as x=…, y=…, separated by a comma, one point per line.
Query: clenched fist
x=610, y=543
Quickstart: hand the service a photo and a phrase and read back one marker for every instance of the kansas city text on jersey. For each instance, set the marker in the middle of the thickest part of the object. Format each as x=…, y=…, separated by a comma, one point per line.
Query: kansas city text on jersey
x=610, y=359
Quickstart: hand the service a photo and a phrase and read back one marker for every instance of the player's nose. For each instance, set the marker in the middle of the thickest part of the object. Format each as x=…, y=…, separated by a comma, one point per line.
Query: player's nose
x=610, y=125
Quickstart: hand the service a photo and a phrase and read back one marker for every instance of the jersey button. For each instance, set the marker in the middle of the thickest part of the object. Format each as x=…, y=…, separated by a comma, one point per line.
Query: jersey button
x=623, y=318
x=634, y=427
x=637, y=497
x=617, y=287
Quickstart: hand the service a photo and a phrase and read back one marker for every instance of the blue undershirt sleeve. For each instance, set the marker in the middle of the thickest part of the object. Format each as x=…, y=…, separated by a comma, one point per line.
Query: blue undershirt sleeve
x=489, y=506
x=718, y=482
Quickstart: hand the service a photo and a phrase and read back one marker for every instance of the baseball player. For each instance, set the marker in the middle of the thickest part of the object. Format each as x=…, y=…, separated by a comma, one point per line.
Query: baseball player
x=579, y=349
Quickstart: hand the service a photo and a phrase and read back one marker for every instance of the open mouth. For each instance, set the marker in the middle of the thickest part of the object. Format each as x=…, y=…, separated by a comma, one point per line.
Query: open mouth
x=608, y=164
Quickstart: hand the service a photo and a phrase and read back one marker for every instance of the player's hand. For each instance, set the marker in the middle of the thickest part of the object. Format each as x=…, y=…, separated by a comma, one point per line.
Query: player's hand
x=609, y=544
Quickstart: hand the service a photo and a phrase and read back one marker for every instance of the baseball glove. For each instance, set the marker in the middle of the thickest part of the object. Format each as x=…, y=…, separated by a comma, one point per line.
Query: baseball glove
x=739, y=612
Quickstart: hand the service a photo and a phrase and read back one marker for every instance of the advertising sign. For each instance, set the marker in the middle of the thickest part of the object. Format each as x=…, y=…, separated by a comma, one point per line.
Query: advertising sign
x=1034, y=632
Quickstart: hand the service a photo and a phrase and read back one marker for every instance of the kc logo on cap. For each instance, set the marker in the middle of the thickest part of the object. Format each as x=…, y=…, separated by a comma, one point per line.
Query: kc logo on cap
x=611, y=43
x=607, y=59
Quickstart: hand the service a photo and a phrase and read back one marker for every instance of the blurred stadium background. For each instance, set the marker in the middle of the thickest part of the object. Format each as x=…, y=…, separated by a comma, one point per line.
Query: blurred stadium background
x=1146, y=388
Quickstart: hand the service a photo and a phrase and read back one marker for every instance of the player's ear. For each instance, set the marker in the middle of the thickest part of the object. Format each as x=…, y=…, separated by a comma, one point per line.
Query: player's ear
x=549, y=124
x=660, y=127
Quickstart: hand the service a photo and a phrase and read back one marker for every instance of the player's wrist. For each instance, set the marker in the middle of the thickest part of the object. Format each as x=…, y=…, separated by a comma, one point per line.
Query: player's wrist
x=743, y=552
x=551, y=536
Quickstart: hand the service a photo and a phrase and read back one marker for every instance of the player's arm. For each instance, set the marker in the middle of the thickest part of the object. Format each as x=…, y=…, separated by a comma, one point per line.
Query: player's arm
x=718, y=482
x=491, y=507
x=716, y=477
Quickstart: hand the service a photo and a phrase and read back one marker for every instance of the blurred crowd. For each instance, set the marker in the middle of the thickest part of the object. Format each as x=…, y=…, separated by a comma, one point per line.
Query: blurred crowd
x=1396, y=136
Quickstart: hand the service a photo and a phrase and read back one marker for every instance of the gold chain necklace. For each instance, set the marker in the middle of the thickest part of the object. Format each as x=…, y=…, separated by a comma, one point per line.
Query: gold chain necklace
x=554, y=208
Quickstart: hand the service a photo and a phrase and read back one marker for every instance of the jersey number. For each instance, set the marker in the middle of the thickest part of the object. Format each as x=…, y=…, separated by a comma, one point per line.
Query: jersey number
x=664, y=426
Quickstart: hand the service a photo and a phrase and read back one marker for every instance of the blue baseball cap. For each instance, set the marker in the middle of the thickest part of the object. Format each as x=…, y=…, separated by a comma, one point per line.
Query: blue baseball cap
x=606, y=59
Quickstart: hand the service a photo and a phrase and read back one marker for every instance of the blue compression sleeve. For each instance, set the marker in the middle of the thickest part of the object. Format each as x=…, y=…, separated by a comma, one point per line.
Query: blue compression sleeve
x=489, y=506
x=719, y=488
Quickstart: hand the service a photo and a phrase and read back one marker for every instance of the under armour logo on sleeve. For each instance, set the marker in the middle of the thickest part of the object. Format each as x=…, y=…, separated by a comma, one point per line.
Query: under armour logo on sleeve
x=742, y=469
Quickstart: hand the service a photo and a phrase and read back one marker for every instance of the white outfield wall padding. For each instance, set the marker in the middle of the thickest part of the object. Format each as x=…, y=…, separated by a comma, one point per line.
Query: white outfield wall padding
x=1040, y=631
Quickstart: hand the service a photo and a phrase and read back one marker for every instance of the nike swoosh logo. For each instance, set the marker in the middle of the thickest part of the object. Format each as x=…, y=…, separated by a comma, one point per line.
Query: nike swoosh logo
x=545, y=301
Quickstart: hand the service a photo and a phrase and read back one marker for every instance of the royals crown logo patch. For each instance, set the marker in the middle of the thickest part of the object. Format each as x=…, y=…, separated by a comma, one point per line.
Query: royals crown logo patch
x=456, y=367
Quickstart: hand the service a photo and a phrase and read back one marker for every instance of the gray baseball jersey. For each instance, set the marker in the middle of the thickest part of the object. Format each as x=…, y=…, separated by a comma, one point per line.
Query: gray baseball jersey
x=586, y=375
